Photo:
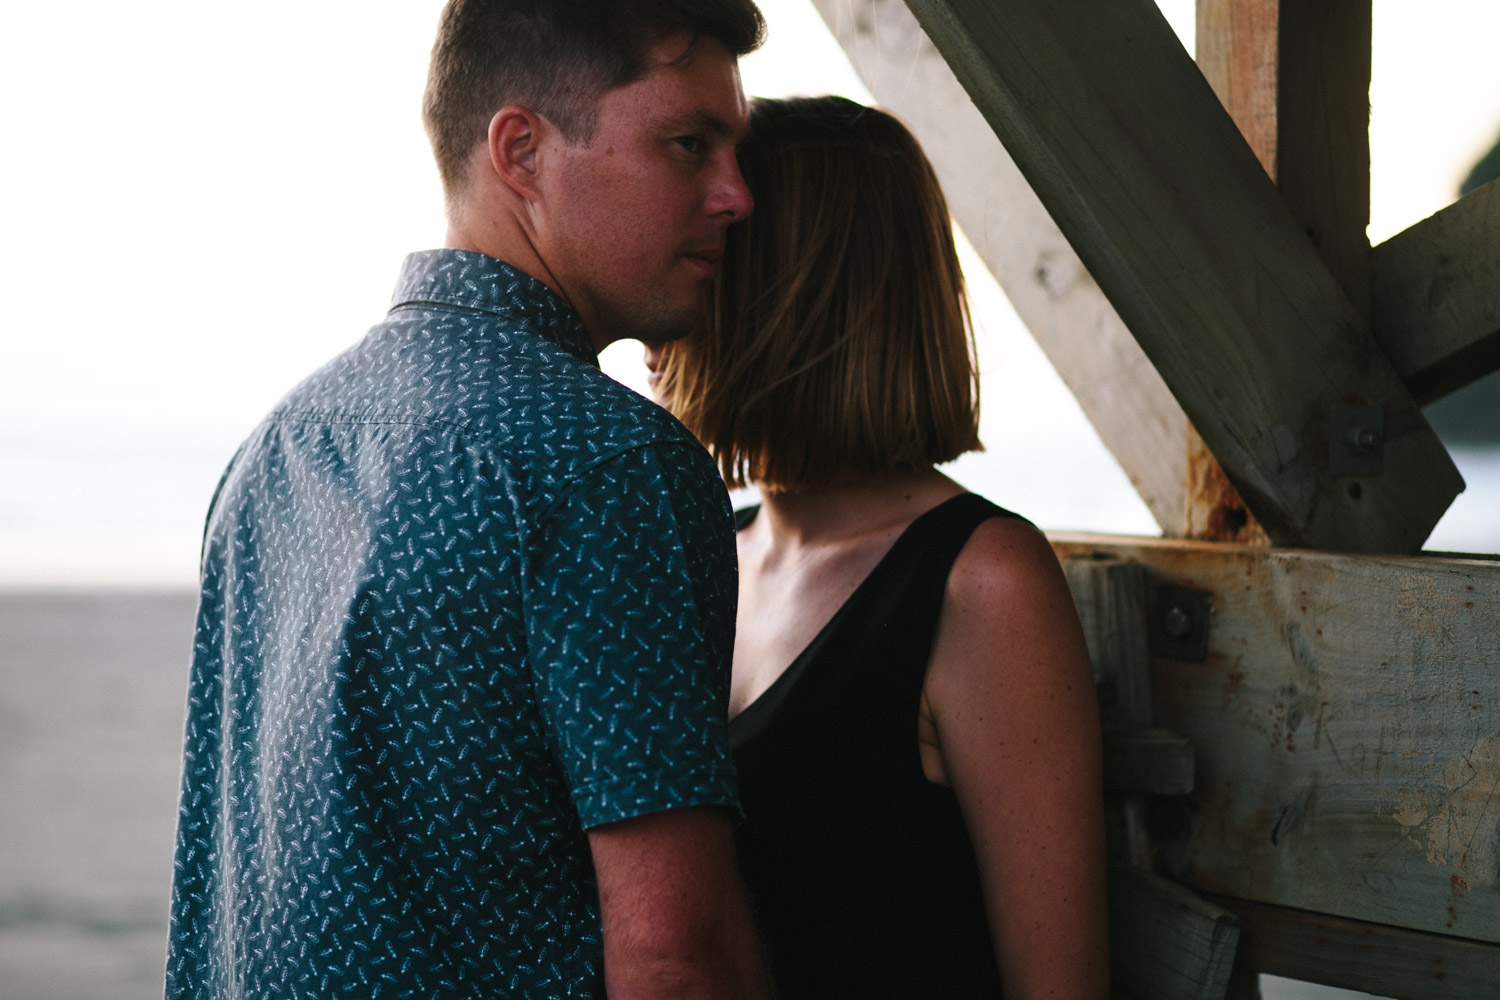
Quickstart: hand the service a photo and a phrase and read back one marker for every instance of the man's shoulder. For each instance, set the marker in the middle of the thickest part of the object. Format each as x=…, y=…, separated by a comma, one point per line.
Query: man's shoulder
x=491, y=386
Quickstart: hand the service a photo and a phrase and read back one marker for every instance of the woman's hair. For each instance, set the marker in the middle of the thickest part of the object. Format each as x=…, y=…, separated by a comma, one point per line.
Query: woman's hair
x=840, y=345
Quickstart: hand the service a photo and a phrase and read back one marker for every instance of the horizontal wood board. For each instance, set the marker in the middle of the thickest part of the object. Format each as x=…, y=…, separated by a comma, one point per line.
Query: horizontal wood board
x=1137, y=161
x=1346, y=729
x=1355, y=955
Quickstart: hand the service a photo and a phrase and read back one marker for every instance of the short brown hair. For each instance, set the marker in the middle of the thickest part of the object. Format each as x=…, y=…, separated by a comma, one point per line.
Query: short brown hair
x=840, y=344
x=556, y=58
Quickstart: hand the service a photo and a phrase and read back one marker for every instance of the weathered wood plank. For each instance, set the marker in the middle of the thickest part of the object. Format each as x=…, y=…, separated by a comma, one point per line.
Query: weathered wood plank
x=1144, y=172
x=1436, y=293
x=1053, y=293
x=1110, y=595
x=1237, y=49
x=1165, y=941
x=1352, y=954
x=1346, y=724
x=1147, y=760
x=1127, y=829
x=1295, y=78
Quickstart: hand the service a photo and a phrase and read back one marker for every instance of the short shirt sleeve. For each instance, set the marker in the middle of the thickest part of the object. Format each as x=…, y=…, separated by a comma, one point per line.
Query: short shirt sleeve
x=630, y=632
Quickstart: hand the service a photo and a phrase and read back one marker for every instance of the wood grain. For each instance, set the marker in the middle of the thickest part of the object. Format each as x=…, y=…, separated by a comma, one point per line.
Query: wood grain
x=1136, y=160
x=1386, y=961
x=1346, y=724
x=1437, y=296
x=1166, y=942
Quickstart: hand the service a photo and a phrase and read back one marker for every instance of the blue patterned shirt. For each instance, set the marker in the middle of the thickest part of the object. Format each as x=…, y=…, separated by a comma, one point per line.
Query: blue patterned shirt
x=463, y=598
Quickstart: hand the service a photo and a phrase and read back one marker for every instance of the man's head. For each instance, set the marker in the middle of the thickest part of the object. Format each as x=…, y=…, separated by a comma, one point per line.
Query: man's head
x=557, y=58
x=591, y=143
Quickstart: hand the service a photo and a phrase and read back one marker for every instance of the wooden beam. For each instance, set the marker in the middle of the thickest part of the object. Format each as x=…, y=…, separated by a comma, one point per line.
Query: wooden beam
x=1110, y=595
x=1165, y=941
x=1138, y=163
x=1236, y=48
x=1354, y=955
x=1295, y=78
x=1147, y=761
x=1346, y=726
x=1437, y=296
x=1053, y=293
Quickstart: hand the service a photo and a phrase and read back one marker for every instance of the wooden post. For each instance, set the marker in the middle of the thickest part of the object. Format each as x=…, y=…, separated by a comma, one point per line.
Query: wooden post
x=1110, y=594
x=1295, y=77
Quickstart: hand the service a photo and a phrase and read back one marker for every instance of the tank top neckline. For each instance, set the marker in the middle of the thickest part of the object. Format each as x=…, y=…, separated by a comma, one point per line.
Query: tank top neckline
x=779, y=689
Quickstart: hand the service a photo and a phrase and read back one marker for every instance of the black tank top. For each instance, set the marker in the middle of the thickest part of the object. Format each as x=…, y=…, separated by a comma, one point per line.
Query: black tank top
x=859, y=869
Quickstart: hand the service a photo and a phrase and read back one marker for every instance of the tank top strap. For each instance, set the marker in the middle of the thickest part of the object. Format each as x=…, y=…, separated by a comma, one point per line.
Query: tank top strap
x=911, y=581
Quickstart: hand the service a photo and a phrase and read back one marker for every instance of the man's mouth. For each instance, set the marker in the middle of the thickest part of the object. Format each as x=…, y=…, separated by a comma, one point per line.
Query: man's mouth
x=705, y=261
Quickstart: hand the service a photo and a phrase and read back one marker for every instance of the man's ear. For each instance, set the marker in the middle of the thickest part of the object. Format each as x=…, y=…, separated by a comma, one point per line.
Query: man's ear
x=514, y=141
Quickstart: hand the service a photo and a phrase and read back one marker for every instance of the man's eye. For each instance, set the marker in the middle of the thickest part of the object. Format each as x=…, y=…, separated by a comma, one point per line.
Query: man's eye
x=691, y=143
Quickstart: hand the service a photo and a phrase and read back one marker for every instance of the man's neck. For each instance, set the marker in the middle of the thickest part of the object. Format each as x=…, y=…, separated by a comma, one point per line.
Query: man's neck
x=502, y=236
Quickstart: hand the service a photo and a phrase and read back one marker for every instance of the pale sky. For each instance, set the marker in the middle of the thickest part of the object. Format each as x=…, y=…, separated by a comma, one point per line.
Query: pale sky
x=203, y=202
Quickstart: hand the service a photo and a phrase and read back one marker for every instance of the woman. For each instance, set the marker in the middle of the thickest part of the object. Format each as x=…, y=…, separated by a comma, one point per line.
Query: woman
x=912, y=707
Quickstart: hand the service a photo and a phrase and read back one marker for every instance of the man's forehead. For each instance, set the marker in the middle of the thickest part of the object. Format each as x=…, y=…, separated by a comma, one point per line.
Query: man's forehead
x=696, y=91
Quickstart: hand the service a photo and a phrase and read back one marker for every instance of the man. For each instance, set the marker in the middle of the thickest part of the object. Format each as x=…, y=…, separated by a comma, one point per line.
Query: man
x=456, y=717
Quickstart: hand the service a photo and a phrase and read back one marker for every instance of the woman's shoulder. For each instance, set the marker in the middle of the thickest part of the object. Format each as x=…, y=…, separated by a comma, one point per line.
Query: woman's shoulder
x=1006, y=589
x=1004, y=552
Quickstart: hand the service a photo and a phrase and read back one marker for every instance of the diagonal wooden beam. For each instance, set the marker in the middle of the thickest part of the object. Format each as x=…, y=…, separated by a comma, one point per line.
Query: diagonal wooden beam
x=1137, y=161
x=1088, y=344
x=1436, y=292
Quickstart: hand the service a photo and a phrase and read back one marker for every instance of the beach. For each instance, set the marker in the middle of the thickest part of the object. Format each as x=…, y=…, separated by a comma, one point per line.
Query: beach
x=90, y=745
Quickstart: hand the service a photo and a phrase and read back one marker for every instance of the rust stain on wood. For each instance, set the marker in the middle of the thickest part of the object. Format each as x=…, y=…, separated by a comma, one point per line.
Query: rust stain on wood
x=1215, y=512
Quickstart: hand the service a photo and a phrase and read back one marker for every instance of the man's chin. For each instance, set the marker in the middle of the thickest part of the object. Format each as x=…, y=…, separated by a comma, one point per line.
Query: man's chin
x=664, y=325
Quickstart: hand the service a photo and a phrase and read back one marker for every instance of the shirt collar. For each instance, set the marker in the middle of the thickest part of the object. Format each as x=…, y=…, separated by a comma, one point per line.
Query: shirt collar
x=476, y=281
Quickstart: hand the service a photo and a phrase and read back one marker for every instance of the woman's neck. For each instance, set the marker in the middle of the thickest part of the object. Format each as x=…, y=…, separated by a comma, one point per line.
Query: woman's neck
x=842, y=511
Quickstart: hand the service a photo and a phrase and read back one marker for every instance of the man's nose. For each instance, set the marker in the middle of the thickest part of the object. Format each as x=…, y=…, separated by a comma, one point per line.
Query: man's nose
x=731, y=196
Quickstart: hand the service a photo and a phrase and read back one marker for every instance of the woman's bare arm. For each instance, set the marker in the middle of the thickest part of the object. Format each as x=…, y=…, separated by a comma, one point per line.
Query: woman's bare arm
x=1012, y=698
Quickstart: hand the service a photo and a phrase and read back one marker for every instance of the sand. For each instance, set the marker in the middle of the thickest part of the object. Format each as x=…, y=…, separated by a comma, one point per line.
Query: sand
x=91, y=692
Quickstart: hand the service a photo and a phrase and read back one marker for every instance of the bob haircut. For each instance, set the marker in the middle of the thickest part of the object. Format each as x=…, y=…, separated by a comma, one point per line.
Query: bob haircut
x=556, y=58
x=840, y=345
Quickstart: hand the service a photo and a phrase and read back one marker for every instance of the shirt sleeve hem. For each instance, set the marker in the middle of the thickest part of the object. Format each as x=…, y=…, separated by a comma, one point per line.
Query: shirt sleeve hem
x=638, y=795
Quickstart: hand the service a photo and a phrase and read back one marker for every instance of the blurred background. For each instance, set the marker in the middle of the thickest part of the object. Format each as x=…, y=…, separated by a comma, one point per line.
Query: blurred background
x=203, y=202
